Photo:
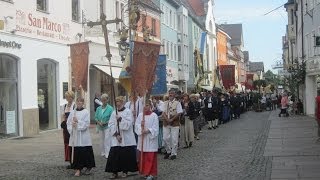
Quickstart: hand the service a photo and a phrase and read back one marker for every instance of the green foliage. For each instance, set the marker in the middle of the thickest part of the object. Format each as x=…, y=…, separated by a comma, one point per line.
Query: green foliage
x=259, y=83
x=296, y=78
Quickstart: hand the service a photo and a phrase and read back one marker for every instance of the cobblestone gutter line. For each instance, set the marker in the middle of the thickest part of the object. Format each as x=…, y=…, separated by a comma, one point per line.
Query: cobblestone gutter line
x=259, y=166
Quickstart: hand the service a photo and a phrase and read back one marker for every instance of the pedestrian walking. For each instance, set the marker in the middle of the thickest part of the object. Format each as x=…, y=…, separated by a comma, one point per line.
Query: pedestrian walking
x=97, y=101
x=189, y=117
x=68, y=107
x=79, y=121
x=157, y=104
x=102, y=117
x=210, y=108
x=225, y=109
x=284, y=105
x=122, y=155
x=171, y=112
x=196, y=115
x=147, y=129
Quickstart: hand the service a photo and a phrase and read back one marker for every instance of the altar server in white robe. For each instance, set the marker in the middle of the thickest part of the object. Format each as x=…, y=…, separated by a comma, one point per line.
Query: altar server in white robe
x=122, y=155
x=78, y=126
x=147, y=129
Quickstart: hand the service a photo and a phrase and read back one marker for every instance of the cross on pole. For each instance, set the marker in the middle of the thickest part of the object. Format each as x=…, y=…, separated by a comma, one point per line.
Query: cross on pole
x=103, y=23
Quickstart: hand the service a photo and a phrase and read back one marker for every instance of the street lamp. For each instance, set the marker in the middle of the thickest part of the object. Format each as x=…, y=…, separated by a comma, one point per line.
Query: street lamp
x=123, y=45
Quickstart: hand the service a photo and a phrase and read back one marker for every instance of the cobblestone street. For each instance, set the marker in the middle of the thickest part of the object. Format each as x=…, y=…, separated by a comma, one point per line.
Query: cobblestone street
x=233, y=151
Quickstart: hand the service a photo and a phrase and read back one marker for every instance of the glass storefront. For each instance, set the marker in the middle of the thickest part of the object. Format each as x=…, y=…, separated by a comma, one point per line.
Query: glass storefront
x=47, y=95
x=8, y=96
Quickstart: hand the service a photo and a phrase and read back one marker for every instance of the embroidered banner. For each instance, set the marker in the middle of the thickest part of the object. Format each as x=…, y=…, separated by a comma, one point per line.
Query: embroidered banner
x=249, y=81
x=160, y=84
x=79, y=64
x=145, y=57
x=227, y=75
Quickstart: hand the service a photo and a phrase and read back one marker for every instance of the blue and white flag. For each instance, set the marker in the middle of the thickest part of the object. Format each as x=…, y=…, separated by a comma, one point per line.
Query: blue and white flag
x=160, y=84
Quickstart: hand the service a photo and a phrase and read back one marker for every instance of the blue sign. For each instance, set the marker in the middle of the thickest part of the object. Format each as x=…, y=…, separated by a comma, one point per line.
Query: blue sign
x=160, y=84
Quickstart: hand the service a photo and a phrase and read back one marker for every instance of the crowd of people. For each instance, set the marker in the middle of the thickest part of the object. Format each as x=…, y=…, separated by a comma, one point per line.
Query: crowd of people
x=133, y=133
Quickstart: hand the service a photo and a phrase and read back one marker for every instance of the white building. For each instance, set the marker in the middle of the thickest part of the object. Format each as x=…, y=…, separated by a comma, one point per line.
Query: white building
x=211, y=42
x=34, y=62
x=303, y=28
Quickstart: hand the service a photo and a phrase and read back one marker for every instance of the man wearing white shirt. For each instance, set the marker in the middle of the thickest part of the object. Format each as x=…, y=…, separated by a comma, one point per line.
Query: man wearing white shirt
x=171, y=111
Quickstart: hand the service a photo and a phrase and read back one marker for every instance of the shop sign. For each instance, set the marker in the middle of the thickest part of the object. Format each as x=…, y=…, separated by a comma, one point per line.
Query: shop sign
x=10, y=44
x=42, y=27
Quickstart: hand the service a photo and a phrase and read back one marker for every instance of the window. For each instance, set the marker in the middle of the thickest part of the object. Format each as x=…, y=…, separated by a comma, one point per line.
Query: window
x=179, y=23
x=166, y=16
x=170, y=19
x=167, y=50
x=153, y=27
x=42, y=5
x=174, y=21
x=171, y=52
x=75, y=10
x=179, y=52
x=175, y=52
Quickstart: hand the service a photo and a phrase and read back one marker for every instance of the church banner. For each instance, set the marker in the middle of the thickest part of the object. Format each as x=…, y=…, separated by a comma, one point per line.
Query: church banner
x=126, y=72
x=160, y=84
x=227, y=75
x=249, y=81
x=79, y=64
x=145, y=57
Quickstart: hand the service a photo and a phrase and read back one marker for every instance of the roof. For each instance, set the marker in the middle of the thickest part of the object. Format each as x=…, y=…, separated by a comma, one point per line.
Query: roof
x=200, y=20
x=256, y=66
x=198, y=7
x=152, y=5
x=235, y=32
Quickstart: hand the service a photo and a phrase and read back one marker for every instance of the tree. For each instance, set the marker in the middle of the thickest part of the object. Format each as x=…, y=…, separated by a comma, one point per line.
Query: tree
x=259, y=83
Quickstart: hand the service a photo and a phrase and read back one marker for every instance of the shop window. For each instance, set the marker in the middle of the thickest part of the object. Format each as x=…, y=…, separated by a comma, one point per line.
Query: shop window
x=42, y=5
x=75, y=10
x=8, y=96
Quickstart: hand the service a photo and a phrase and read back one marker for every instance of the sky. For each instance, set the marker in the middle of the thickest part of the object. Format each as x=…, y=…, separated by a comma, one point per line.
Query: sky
x=262, y=34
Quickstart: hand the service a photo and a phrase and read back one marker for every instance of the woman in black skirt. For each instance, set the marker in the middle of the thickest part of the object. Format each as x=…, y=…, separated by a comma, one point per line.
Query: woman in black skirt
x=78, y=126
x=122, y=156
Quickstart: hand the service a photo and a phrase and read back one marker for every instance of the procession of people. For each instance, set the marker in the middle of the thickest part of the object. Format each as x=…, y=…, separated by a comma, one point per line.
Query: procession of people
x=136, y=131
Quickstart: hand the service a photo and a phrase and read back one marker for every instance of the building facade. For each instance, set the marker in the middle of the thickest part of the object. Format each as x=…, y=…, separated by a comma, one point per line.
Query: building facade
x=35, y=63
x=169, y=39
x=300, y=47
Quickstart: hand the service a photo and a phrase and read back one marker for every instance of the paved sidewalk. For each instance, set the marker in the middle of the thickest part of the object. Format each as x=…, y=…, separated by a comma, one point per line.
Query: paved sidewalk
x=292, y=145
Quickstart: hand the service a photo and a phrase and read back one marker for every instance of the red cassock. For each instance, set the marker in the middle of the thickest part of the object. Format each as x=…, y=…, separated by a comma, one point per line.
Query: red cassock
x=150, y=163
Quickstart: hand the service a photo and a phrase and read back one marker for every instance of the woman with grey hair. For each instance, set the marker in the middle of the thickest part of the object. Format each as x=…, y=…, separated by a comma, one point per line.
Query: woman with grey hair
x=102, y=117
